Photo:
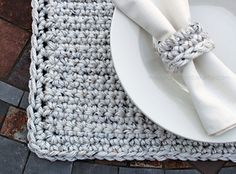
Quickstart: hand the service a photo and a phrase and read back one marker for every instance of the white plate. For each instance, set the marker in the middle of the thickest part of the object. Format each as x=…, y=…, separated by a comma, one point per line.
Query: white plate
x=156, y=93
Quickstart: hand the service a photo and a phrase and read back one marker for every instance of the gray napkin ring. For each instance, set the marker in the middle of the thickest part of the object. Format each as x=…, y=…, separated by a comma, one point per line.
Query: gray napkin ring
x=183, y=46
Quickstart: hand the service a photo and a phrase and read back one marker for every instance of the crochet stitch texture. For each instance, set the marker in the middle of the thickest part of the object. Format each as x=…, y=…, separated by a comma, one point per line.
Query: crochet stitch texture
x=183, y=46
x=78, y=108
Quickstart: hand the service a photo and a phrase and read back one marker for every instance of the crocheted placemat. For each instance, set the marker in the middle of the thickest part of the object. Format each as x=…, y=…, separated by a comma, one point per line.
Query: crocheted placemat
x=78, y=108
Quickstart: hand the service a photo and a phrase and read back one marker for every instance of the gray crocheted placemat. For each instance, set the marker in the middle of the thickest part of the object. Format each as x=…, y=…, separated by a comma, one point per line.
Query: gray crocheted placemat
x=78, y=108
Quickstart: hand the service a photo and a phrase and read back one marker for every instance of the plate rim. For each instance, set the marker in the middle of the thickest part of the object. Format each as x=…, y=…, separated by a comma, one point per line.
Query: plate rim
x=211, y=139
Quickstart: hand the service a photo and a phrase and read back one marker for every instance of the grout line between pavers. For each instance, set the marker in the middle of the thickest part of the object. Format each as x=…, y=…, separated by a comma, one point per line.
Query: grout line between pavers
x=17, y=25
x=26, y=161
x=9, y=101
x=3, y=120
x=71, y=167
x=128, y=164
x=163, y=165
x=3, y=100
x=194, y=167
x=21, y=142
x=6, y=111
x=73, y=163
x=21, y=100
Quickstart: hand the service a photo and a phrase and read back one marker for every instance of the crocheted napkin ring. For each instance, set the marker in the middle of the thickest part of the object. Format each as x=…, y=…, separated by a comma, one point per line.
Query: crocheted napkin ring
x=183, y=46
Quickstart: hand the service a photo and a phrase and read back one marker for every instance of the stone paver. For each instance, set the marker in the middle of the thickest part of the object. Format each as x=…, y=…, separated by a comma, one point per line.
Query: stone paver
x=125, y=170
x=12, y=41
x=14, y=125
x=114, y=163
x=230, y=164
x=3, y=111
x=18, y=12
x=36, y=165
x=24, y=101
x=184, y=171
x=228, y=170
x=19, y=77
x=176, y=164
x=13, y=156
x=147, y=164
x=88, y=168
x=10, y=94
x=210, y=167
x=3, y=108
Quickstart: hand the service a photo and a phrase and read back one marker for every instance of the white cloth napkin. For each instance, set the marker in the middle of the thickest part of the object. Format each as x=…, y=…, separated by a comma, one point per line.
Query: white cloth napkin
x=214, y=98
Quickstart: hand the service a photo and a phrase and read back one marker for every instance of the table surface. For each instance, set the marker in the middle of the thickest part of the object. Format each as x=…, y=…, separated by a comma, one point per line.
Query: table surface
x=15, y=158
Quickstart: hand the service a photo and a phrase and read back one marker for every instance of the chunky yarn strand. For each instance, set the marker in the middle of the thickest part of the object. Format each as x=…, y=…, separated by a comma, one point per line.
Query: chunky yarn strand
x=183, y=46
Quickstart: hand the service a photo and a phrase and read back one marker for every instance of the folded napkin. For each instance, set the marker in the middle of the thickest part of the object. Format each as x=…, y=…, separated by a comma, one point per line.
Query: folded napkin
x=213, y=98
